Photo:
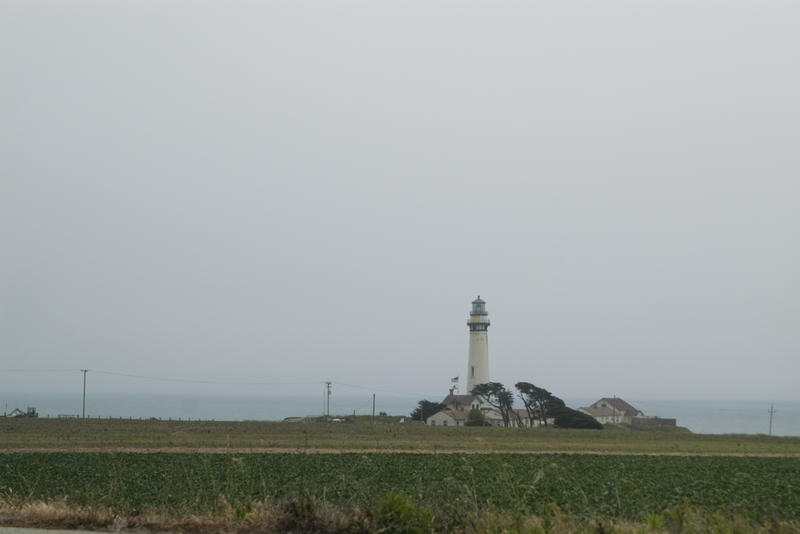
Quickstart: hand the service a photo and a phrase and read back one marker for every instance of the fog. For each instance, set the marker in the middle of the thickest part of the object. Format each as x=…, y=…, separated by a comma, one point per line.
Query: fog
x=287, y=192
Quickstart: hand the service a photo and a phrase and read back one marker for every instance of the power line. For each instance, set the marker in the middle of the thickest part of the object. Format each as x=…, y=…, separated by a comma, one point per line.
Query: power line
x=369, y=388
x=160, y=378
x=199, y=381
x=39, y=370
x=211, y=382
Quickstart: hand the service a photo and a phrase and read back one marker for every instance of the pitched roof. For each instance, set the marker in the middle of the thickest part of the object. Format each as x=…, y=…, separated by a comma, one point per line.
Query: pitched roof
x=459, y=400
x=458, y=415
x=617, y=405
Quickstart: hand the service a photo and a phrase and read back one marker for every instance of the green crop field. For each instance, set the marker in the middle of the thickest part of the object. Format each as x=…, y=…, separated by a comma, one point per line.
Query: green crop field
x=626, y=486
x=444, y=486
x=205, y=476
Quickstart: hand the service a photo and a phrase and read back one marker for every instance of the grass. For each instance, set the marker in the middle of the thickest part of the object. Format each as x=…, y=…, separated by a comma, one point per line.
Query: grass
x=120, y=434
x=392, y=515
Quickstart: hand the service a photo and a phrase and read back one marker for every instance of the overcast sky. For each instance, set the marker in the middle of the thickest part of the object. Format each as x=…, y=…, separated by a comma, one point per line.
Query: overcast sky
x=300, y=191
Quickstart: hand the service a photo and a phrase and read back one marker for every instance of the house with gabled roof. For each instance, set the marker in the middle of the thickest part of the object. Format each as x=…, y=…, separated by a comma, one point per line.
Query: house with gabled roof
x=465, y=402
x=457, y=408
x=459, y=418
x=612, y=410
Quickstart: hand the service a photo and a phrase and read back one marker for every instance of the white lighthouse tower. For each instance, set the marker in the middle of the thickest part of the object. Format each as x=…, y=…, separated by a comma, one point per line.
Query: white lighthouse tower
x=478, y=370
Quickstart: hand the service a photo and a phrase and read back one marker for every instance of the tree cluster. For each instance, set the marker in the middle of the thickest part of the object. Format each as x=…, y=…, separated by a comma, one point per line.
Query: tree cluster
x=425, y=409
x=498, y=397
x=540, y=405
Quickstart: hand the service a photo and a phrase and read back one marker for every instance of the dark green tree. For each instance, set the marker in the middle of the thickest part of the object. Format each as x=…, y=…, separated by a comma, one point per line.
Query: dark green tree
x=425, y=409
x=565, y=417
x=536, y=401
x=475, y=418
x=498, y=397
x=539, y=403
x=553, y=405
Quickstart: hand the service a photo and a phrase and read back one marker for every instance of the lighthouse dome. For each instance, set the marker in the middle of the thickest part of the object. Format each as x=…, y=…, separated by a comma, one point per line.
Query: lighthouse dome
x=479, y=307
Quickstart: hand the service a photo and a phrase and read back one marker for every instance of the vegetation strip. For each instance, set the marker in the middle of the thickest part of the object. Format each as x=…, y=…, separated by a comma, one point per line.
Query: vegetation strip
x=392, y=513
x=619, y=486
x=387, y=435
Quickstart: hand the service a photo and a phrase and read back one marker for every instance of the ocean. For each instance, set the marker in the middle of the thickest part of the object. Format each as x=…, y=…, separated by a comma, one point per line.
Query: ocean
x=715, y=416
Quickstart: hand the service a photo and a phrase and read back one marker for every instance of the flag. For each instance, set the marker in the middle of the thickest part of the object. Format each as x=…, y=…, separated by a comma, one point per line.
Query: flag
x=454, y=380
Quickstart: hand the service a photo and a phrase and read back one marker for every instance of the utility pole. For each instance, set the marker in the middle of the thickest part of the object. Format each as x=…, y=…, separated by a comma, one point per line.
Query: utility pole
x=84, y=371
x=328, y=399
x=373, y=408
x=771, y=413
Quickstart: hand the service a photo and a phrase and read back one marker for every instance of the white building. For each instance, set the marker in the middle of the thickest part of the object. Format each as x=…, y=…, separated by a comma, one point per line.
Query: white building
x=448, y=418
x=459, y=418
x=465, y=402
x=612, y=410
x=478, y=365
x=458, y=406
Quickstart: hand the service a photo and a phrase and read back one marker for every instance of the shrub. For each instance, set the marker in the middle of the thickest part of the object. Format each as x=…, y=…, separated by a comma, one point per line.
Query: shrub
x=475, y=418
x=396, y=513
x=569, y=418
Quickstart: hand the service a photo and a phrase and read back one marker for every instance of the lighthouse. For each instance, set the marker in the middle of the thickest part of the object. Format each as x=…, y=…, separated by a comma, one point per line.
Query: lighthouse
x=478, y=370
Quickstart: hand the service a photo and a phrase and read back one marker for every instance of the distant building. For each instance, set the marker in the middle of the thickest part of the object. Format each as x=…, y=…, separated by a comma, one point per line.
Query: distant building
x=30, y=412
x=617, y=411
x=612, y=410
x=457, y=407
x=453, y=416
x=459, y=417
x=448, y=418
x=465, y=402
x=478, y=364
